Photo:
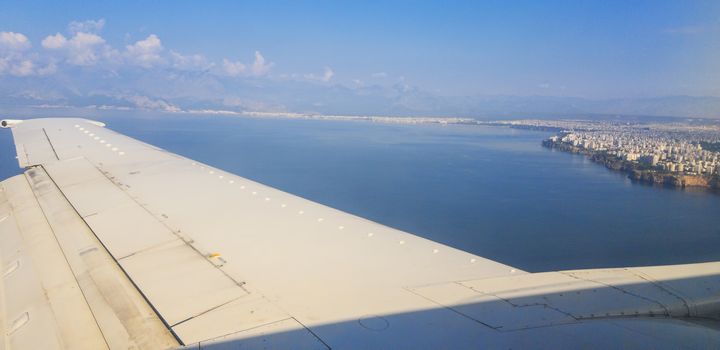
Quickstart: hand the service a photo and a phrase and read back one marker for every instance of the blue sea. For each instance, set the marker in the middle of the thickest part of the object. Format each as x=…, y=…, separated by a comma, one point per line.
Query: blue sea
x=493, y=191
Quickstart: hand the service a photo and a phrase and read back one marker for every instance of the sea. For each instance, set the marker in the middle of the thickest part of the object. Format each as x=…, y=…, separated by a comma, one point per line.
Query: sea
x=493, y=191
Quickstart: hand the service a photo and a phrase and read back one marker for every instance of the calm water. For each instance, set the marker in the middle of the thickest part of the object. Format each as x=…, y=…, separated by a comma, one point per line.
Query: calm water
x=492, y=191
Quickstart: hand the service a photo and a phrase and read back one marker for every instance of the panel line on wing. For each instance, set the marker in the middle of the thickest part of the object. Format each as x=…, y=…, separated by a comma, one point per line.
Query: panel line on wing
x=622, y=290
x=171, y=230
x=51, y=144
x=125, y=318
x=206, y=311
x=177, y=279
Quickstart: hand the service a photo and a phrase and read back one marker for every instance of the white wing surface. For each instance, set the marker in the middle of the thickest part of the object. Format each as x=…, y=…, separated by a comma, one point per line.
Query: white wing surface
x=108, y=242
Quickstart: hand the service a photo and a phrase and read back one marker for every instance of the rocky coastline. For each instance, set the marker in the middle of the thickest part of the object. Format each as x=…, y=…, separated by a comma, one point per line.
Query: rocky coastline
x=639, y=172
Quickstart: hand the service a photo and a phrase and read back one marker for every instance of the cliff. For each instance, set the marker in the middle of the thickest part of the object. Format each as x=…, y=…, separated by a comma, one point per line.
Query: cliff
x=639, y=172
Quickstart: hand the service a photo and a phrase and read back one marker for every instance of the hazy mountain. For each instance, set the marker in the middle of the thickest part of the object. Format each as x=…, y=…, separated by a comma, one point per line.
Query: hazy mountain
x=172, y=91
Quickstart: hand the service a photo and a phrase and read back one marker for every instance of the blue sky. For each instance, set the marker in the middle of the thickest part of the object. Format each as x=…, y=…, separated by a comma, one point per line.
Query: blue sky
x=305, y=56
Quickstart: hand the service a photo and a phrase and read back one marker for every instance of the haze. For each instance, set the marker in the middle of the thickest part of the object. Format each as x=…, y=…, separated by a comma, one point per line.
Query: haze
x=442, y=58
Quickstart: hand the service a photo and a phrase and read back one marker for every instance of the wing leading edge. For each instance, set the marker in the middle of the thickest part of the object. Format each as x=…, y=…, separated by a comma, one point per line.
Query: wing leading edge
x=215, y=260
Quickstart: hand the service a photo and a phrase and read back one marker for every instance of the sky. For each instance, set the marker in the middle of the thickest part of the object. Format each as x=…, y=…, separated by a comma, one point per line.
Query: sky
x=386, y=57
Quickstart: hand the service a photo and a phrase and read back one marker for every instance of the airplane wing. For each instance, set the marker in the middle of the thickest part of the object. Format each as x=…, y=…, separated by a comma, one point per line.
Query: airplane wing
x=108, y=242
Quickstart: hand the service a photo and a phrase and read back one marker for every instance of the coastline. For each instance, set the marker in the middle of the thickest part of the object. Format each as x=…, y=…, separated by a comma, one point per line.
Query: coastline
x=640, y=173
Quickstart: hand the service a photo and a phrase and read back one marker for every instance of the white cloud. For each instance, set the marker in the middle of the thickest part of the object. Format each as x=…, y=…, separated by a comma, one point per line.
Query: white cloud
x=233, y=69
x=16, y=67
x=15, y=59
x=327, y=75
x=147, y=52
x=10, y=41
x=259, y=66
x=83, y=49
x=83, y=46
x=53, y=42
x=87, y=39
x=89, y=26
x=87, y=49
x=23, y=68
x=379, y=75
x=189, y=62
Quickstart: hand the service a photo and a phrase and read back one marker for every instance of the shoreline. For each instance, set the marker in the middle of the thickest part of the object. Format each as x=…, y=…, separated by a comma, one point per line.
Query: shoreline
x=640, y=173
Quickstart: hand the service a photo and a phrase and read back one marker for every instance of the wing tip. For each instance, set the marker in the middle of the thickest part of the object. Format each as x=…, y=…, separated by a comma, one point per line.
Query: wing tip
x=9, y=123
x=100, y=124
